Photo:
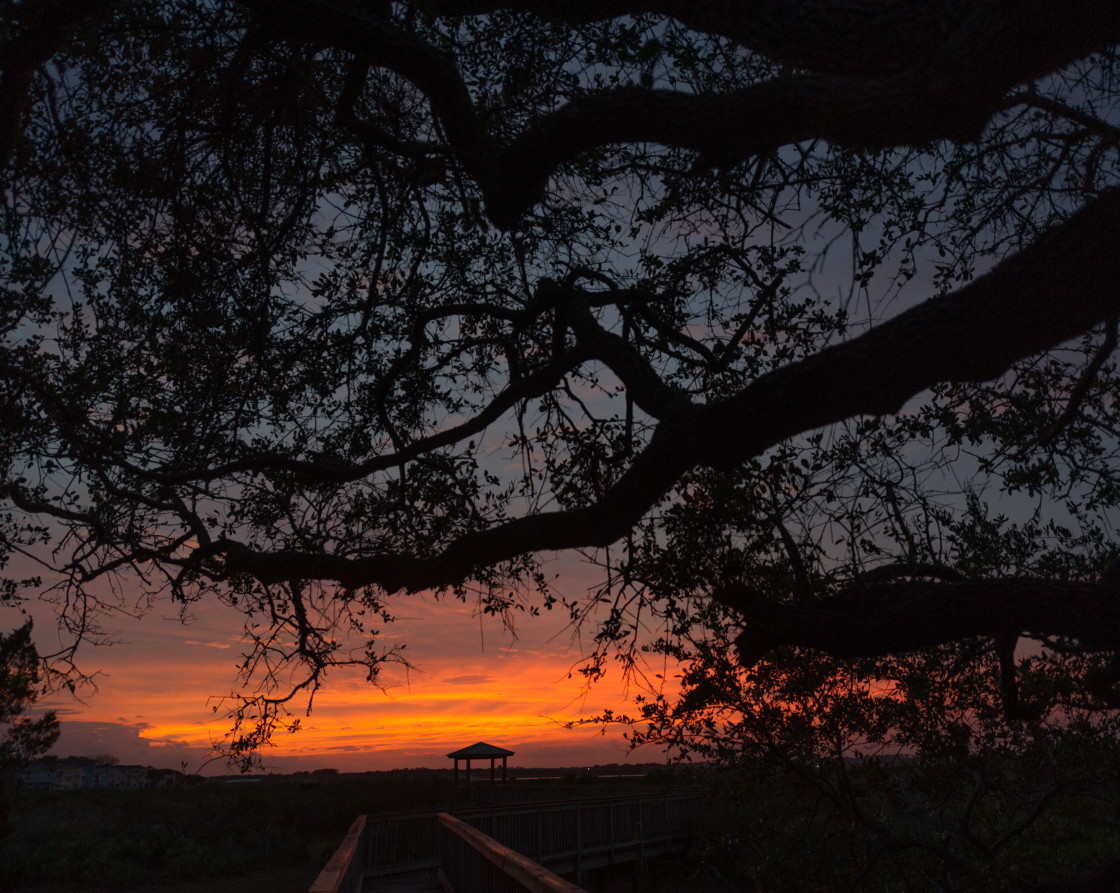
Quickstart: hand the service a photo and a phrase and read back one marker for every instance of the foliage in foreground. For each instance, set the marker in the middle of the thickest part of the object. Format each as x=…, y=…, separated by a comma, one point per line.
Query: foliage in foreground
x=985, y=824
x=904, y=774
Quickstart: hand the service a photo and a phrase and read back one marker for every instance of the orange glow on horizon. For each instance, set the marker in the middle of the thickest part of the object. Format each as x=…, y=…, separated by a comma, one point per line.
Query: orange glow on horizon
x=472, y=681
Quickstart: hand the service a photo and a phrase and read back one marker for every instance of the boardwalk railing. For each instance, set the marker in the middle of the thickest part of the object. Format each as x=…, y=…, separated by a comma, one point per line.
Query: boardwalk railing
x=381, y=845
x=473, y=861
x=563, y=837
x=571, y=838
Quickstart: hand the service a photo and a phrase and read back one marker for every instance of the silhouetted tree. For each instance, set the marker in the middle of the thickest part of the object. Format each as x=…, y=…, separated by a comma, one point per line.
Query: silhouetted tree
x=798, y=318
x=22, y=738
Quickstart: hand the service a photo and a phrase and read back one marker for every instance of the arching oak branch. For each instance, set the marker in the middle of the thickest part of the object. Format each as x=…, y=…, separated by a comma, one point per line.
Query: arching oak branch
x=894, y=618
x=839, y=36
x=959, y=71
x=1058, y=288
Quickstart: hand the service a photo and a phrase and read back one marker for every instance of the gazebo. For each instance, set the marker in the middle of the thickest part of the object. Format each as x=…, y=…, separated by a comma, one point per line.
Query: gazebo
x=481, y=751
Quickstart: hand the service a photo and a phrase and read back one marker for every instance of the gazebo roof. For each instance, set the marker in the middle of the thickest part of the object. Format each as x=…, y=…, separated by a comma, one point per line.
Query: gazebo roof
x=480, y=749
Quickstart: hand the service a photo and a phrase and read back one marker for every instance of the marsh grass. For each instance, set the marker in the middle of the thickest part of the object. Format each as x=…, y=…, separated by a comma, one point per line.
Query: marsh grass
x=270, y=836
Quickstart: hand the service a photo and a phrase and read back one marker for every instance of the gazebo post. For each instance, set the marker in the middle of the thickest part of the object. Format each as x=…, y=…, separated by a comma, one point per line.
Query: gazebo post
x=504, y=769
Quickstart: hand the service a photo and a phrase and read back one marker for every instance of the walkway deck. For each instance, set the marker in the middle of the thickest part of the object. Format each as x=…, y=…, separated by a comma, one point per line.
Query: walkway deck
x=421, y=883
x=400, y=852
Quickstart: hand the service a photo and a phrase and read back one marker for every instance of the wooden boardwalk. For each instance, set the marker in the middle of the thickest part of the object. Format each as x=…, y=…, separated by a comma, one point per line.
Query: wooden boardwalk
x=527, y=846
x=573, y=838
x=418, y=883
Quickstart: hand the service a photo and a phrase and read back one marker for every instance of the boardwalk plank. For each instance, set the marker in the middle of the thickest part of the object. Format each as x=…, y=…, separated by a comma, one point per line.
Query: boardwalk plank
x=423, y=883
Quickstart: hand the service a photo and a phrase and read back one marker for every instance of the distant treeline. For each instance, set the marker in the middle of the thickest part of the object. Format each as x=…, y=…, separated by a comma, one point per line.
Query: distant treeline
x=535, y=773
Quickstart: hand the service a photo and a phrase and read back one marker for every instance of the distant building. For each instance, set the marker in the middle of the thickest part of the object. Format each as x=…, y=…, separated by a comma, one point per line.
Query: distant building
x=122, y=778
x=38, y=775
x=70, y=774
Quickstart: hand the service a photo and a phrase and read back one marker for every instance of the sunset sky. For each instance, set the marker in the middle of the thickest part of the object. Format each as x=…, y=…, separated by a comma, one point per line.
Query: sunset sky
x=473, y=681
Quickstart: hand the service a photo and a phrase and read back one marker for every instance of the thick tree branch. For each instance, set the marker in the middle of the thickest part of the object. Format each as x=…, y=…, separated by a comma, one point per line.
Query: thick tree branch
x=872, y=37
x=879, y=74
x=42, y=29
x=733, y=127
x=1061, y=286
x=948, y=91
x=647, y=389
x=374, y=40
x=893, y=618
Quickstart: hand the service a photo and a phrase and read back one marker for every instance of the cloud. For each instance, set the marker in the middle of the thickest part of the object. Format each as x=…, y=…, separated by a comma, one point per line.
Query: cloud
x=124, y=741
x=467, y=680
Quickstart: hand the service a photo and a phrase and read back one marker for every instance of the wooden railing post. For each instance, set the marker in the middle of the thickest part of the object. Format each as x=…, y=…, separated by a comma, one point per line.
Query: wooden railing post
x=641, y=837
x=579, y=845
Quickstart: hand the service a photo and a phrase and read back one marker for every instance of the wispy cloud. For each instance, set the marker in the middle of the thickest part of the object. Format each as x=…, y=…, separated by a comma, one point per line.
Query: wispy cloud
x=467, y=680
